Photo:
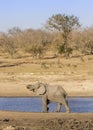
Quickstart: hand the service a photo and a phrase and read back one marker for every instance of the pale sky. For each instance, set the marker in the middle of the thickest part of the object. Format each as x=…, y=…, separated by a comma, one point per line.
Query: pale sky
x=34, y=13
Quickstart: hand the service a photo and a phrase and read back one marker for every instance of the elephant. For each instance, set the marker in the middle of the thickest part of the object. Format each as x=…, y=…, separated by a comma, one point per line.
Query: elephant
x=50, y=93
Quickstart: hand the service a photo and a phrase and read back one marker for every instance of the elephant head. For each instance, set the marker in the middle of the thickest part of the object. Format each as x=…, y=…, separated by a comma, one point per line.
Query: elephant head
x=38, y=88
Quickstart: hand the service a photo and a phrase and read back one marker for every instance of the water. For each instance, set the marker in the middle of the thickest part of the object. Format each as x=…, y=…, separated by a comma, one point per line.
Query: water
x=35, y=105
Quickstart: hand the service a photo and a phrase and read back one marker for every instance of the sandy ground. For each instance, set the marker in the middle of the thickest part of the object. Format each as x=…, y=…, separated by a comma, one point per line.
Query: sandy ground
x=45, y=121
x=15, y=84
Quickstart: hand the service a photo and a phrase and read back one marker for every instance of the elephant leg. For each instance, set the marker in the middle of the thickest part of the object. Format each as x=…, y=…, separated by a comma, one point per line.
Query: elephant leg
x=62, y=100
x=65, y=103
x=59, y=107
x=44, y=101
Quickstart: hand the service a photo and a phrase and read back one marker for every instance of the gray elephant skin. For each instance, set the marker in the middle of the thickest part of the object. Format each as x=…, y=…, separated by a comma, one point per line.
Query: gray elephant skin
x=49, y=93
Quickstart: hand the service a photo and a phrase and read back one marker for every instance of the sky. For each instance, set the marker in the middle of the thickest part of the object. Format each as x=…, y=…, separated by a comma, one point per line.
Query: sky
x=34, y=13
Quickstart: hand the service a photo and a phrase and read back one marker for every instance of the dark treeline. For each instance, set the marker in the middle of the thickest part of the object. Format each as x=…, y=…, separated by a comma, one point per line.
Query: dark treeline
x=64, y=39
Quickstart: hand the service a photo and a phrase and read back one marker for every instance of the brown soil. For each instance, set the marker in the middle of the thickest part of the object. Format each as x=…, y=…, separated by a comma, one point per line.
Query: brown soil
x=45, y=121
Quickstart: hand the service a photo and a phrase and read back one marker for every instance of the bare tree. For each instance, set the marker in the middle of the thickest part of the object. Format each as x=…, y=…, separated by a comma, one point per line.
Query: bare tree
x=8, y=44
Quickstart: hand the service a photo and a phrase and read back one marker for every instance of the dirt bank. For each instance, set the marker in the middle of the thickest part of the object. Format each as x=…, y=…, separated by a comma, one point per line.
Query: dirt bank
x=45, y=121
x=73, y=88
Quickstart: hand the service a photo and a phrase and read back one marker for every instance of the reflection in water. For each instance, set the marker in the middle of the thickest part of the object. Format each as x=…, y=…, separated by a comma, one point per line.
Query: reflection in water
x=35, y=104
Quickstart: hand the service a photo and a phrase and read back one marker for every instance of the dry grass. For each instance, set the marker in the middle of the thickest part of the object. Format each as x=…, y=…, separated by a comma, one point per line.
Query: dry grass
x=49, y=66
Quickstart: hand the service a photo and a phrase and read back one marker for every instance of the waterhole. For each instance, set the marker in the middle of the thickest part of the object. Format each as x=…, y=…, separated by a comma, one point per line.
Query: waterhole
x=79, y=105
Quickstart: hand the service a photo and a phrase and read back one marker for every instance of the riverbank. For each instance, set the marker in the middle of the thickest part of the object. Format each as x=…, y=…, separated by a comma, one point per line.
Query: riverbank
x=74, y=88
x=74, y=75
x=45, y=121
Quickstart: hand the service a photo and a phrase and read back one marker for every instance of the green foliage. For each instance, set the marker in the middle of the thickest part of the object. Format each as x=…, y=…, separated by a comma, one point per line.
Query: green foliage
x=62, y=50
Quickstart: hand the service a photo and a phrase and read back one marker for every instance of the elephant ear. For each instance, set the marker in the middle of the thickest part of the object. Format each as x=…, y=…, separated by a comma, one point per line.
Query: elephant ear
x=41, y=90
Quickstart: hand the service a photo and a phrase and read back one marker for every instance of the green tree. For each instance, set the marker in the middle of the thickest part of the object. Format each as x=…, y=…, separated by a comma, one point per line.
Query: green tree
x=64, y=24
